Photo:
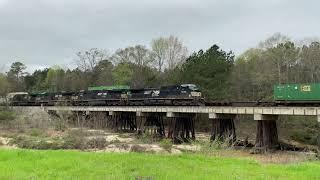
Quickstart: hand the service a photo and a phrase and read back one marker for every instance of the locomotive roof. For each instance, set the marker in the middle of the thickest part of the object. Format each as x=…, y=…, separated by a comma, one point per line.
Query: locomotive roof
x=116, y=87
x=193, y=85
x=11, y=95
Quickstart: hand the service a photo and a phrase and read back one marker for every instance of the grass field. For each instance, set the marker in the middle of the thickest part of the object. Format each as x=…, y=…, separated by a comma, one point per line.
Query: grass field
x=30, y=164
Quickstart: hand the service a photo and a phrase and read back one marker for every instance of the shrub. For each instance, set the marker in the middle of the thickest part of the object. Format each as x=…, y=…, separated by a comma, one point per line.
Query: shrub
x=166, y=144
x=138, y=148
x=7, y=116
x=96, y=143
x=50, y=144
x=305, y=136
x=29, y=142
x=147, y=138
x=36, y=132
x=75, y=139
x=24, y=142
x=60, y=125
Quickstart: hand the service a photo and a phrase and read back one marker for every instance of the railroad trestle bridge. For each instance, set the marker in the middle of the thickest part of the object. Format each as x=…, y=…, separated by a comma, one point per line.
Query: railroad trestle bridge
x=181, y=121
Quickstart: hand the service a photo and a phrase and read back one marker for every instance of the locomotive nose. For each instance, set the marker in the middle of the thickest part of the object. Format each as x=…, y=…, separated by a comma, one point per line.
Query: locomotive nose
x=196, y=94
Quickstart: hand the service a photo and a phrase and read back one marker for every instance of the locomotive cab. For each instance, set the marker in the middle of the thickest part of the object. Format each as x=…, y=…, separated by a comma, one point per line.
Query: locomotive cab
x=191, y=89
x=180, y=91
x=18, y=98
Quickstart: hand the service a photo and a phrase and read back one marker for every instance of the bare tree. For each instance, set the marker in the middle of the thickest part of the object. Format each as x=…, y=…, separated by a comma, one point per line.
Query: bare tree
x=140, y=55
x=310, y=63
x=306, y=41
x=159, y=52
x=168, y=52
x=121, y=56
x=135, y=61
x=88, y=59
x=273, y=41
x=177, y=53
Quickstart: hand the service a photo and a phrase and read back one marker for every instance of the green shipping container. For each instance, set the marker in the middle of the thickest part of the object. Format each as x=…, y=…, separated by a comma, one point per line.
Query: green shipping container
x=297, y=92
x=99, y=88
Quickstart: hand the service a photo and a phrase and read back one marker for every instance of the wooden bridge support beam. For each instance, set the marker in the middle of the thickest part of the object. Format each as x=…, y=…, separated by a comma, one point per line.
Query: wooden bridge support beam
x=97, y=120
x=223, y=127
x=80, y=119
x=267, y=133
x=181, y=127
x=53, y=114
x=151, y=123
x=122, y=121
x=141, y=119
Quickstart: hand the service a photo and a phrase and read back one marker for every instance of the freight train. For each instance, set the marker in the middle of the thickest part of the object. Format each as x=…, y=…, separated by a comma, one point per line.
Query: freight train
x=183, y=95
x=176, y=95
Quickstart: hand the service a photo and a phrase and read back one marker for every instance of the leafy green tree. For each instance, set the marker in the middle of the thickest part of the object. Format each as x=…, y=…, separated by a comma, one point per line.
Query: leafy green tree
x=4, y=85
x=18, y=69
x=133, y=66
x=55, y=79
x=243, y=75
x=16, y=76
x=103, y=73
x=36, y=81
x=143, y=76
x=210, y=70
x=122, y=74
x=75, y=80
x=257, y=70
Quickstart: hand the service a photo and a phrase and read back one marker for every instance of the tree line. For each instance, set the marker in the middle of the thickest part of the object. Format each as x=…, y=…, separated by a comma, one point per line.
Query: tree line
x=219, y=74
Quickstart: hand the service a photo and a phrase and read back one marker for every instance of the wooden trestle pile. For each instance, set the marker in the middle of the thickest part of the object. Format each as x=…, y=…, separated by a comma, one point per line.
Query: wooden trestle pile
x=179, y=128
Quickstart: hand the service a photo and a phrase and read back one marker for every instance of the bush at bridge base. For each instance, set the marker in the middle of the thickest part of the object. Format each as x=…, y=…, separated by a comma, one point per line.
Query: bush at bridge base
x=6, y=115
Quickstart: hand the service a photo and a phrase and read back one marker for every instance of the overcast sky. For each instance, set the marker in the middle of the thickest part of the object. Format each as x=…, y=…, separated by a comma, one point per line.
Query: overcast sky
x=42, y=33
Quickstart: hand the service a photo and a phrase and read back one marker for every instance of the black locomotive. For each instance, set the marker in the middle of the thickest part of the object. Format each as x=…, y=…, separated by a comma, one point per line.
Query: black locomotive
x=184, y=95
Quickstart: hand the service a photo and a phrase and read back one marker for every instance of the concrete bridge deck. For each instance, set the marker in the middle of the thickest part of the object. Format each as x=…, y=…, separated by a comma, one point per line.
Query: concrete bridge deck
x=211, y=110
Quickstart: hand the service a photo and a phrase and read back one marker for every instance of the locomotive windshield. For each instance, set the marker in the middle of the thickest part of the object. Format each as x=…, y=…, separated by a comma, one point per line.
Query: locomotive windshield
x=191, y=87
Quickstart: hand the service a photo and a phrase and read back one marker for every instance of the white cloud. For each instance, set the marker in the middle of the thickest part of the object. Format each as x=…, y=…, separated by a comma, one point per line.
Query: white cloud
x=50, y=32
x=3, y=2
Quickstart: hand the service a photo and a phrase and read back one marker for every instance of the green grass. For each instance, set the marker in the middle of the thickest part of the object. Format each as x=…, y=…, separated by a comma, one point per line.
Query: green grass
x=33, y=164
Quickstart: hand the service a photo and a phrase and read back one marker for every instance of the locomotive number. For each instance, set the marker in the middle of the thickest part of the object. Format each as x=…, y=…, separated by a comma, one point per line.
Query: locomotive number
x=306, y=88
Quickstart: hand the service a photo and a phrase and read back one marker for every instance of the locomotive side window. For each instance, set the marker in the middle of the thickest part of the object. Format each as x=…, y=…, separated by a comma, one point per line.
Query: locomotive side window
x=191, y=87
x=147, y=92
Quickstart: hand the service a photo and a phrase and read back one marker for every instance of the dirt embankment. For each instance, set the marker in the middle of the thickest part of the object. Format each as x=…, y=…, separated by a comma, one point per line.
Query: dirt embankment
x=106, y=141
x=35, y=129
